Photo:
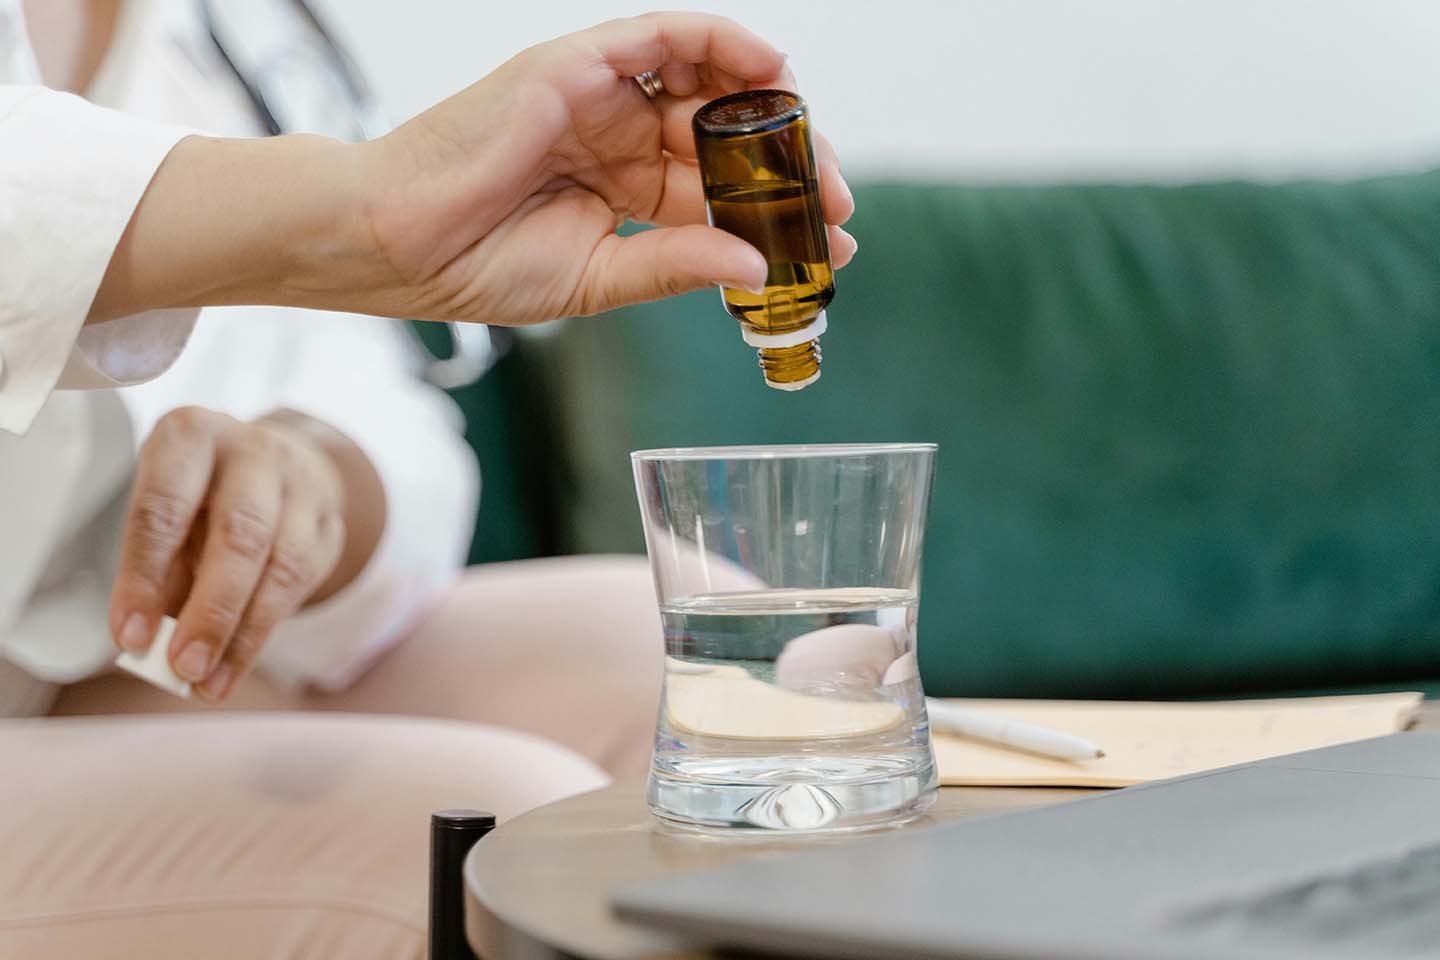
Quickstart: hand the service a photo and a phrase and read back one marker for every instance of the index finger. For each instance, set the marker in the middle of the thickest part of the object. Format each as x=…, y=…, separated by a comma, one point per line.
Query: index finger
x=636, y=44
x=171, y=479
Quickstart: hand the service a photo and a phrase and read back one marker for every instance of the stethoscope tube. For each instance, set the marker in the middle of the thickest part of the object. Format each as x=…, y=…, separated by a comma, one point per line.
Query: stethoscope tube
x=467, y=362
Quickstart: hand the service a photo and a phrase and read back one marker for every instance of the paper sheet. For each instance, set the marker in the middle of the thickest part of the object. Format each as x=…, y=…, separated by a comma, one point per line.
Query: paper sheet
x=725, y=701
x=1151, y=741
x=153, y=666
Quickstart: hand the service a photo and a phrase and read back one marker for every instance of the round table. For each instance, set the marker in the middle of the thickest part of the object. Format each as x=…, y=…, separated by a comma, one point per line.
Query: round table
x=538, y=887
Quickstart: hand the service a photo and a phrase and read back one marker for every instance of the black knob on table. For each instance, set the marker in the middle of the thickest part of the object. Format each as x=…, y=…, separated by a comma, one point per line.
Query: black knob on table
x=452, y=834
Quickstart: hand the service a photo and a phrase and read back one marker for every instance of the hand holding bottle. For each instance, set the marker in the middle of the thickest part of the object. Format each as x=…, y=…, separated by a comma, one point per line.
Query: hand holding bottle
x=499, y=205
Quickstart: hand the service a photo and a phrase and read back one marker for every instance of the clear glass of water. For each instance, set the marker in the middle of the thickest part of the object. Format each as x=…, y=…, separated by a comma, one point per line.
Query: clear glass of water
x=788, y=580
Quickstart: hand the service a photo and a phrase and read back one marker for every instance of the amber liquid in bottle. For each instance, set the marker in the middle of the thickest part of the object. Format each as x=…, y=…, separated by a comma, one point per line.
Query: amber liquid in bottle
x=758, y=167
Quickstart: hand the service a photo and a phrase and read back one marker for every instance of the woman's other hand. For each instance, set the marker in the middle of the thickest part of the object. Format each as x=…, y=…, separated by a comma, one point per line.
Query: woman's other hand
x=232, y=528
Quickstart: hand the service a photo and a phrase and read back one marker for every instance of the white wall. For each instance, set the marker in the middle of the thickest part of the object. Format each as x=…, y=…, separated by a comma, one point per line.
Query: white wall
x=1007, y=89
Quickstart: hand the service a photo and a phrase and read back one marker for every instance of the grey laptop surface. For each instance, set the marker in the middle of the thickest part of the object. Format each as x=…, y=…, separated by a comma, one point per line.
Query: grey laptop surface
x=1329, y=853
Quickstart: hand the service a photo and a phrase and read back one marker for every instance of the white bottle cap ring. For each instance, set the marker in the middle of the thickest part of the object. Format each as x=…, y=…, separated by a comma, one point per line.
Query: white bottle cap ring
x=794, y=338
x=796, y=385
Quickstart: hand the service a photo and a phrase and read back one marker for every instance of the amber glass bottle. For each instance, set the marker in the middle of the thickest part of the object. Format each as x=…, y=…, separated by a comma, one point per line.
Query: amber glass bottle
x=758, y=167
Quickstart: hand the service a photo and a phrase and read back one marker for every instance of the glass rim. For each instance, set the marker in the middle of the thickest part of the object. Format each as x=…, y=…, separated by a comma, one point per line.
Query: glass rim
x=782, y=451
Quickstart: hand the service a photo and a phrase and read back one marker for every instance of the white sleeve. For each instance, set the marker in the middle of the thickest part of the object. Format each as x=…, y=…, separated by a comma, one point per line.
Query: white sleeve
x=360, y=382
x=71, y=175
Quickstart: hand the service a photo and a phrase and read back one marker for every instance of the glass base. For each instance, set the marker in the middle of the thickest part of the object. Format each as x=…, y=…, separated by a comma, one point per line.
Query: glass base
x=792, y=794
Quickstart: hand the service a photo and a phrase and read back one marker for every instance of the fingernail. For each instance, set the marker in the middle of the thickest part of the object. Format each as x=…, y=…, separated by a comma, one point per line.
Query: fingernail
x=135, y=634
x=215, y=686
x=757, y=289
x=193, y=662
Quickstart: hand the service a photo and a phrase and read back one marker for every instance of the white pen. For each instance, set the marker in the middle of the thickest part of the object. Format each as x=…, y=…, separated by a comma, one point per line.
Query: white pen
x=1011, y=733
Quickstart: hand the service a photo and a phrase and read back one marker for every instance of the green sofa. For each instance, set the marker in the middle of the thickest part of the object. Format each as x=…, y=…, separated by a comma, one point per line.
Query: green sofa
x=1189, y=436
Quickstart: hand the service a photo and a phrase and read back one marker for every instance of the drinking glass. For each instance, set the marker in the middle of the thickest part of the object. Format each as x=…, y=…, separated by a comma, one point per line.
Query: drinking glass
x=788, y=580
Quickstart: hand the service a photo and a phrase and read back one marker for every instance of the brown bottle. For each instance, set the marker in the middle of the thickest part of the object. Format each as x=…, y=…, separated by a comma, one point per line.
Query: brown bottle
x=758, y=167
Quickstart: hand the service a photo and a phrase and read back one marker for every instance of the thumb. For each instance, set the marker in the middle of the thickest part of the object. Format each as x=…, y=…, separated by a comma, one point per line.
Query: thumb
x=666, y=262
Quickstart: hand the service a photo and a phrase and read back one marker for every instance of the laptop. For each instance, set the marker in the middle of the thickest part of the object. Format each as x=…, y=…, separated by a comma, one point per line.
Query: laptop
x=1327, y=853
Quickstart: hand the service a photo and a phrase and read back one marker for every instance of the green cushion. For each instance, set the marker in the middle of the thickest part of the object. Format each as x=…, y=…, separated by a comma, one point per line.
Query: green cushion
x=1190, y=436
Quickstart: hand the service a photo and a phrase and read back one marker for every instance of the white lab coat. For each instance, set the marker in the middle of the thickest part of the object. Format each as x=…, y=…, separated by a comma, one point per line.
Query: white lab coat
x=70, y=176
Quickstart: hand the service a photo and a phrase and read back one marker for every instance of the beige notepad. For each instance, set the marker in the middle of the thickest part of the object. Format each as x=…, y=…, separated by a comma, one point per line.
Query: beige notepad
x=725, y=701
x=1151, y=741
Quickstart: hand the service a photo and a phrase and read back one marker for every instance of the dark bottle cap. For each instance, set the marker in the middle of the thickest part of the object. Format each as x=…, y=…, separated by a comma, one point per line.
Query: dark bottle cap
x=462, y=820
x=452, y=834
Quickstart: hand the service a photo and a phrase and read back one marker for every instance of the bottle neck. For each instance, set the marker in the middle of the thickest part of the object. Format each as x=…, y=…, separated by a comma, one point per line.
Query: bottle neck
x=793, y=367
